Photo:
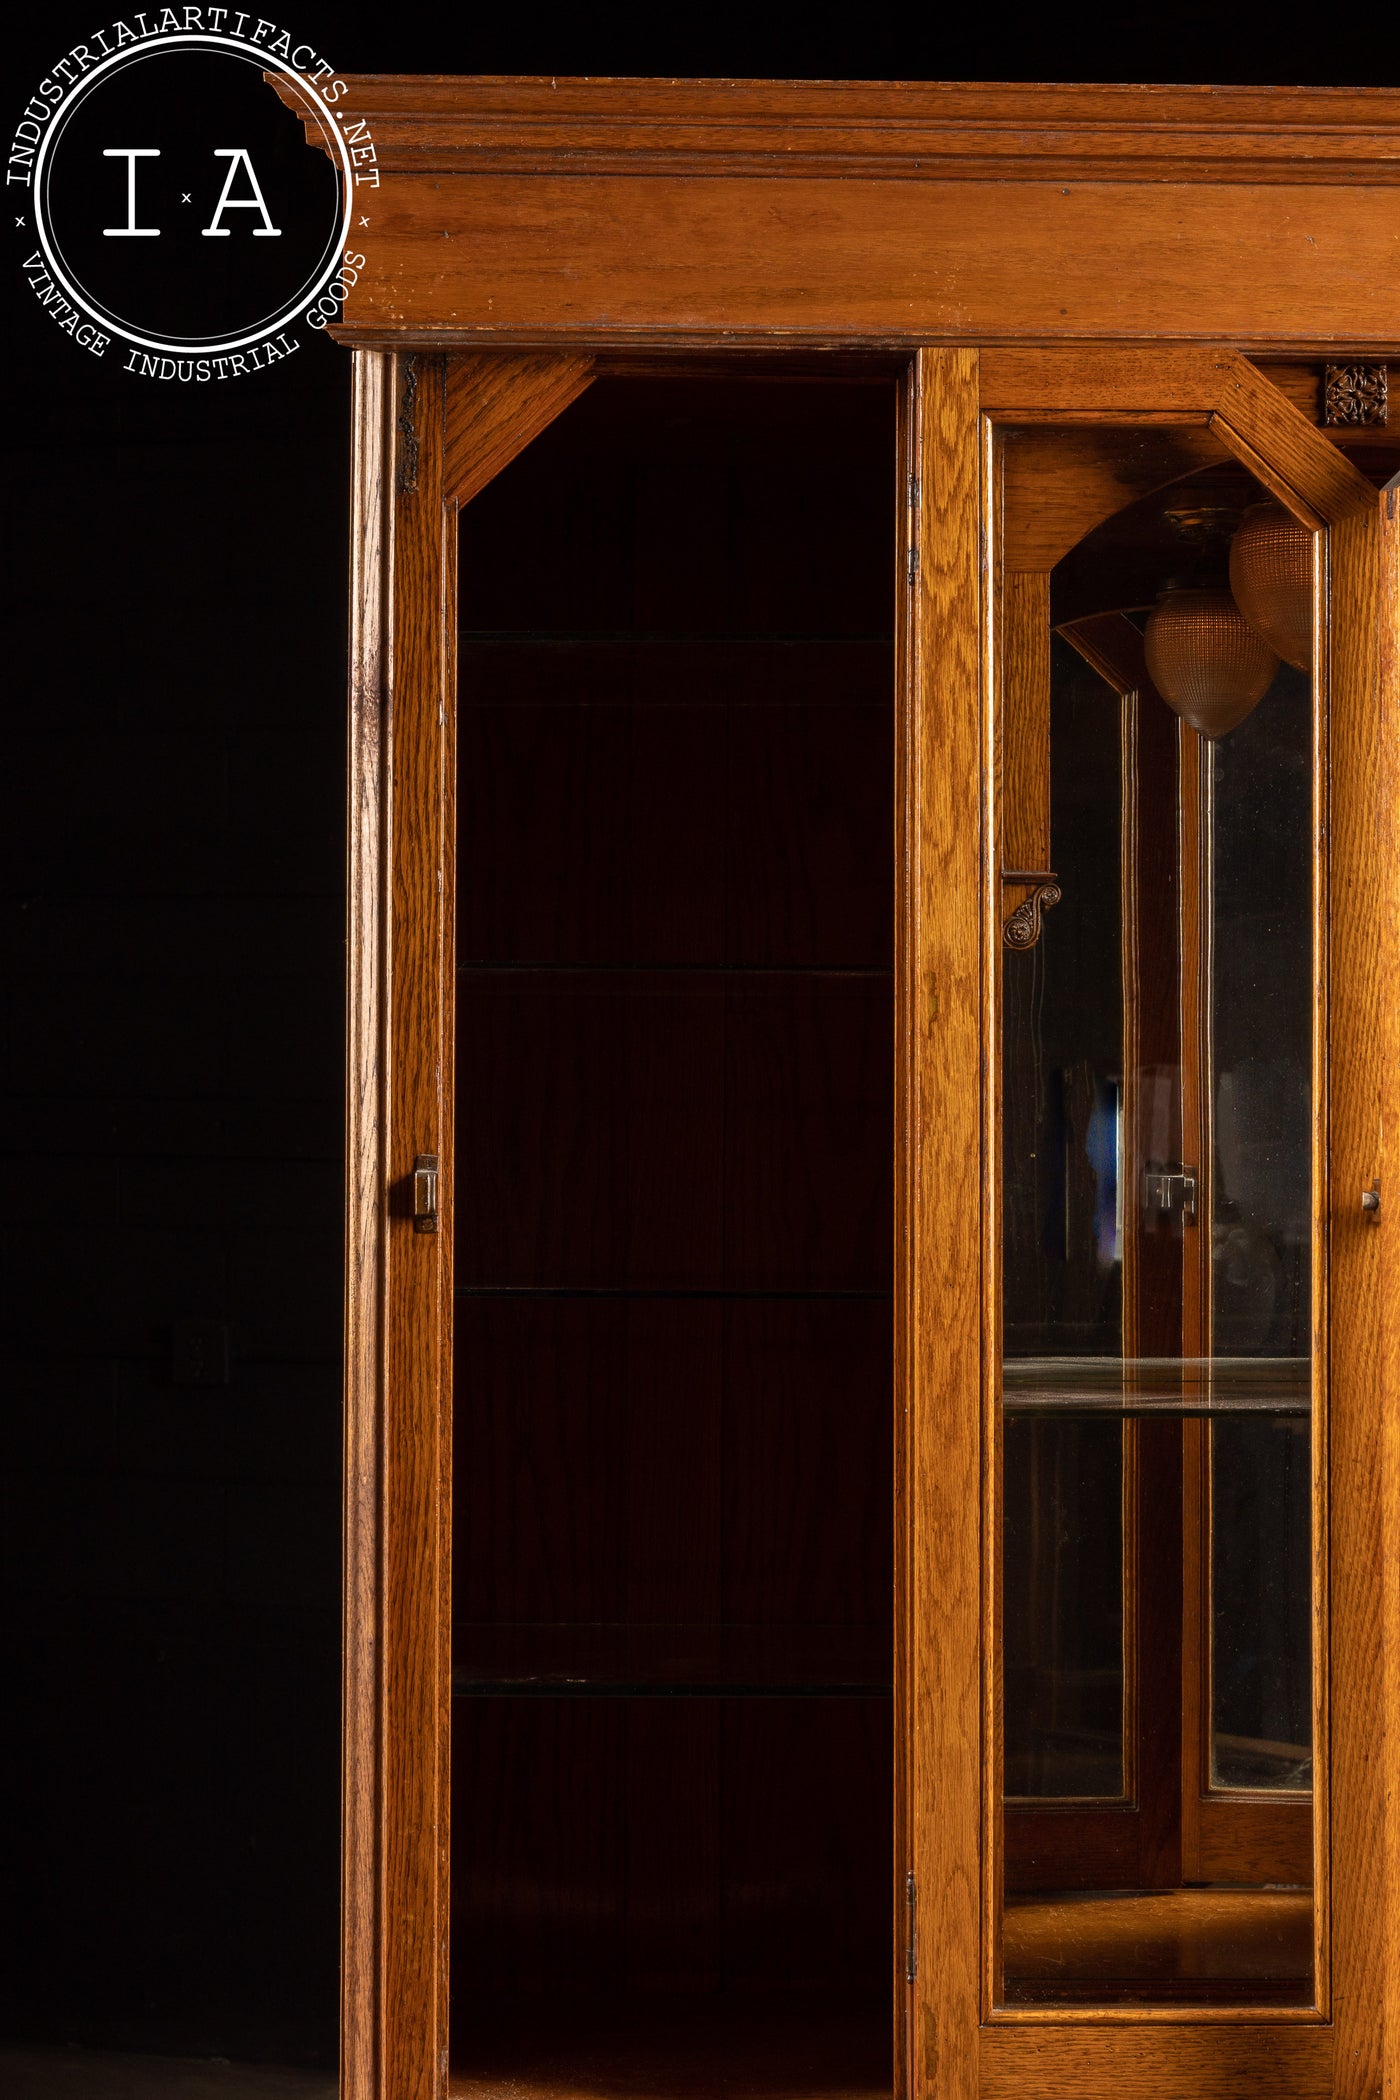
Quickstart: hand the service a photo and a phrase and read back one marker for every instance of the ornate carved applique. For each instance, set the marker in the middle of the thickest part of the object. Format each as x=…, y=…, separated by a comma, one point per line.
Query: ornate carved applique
x=408, y=425
x=1022, y=929
x=1355, y=394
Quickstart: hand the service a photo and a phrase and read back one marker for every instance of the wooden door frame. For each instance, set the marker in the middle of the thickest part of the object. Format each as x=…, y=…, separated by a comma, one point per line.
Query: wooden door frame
x=964, y=2043
x=429, y=433
x=429, y=430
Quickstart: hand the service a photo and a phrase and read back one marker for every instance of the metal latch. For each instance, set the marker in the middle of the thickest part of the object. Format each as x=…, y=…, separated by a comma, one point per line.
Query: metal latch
x=1371, y=1202
x=1170, y=1190
x=425, y=1192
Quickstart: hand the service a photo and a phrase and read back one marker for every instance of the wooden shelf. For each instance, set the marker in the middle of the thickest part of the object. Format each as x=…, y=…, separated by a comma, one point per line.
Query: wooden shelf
x=1153, y=1385
x=560, y=1660
x=1204, y=1945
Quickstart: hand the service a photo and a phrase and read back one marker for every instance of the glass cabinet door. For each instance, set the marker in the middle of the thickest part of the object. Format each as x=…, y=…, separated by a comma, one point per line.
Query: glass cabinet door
x=1159, y=839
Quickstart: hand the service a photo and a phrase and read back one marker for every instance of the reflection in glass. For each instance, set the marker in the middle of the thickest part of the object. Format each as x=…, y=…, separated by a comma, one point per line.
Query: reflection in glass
x=1062, y=1583
x=1157, y=1207
x=1063, y=1479
x=1261, y=1023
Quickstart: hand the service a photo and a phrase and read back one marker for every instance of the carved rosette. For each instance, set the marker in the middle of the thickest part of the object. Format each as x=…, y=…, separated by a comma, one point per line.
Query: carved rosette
x=1355, y=394
x=1022, y=929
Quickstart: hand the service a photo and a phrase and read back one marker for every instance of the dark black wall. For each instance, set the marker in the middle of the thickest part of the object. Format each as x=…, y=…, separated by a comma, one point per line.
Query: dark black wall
x=173, y=778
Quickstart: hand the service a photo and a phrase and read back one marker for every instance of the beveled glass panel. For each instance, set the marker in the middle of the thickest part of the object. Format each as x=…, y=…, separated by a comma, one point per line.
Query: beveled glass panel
x=1261, y=1027
x=1156, y=1138
x=1063, y=1478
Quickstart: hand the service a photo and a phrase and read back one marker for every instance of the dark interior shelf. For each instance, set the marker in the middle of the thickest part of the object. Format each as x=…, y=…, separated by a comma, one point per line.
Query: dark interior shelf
x=669, y=637
x=622, y=1290
x=635, y=1660
x=579, y=1688
x=512, y=968
x=672, y=1744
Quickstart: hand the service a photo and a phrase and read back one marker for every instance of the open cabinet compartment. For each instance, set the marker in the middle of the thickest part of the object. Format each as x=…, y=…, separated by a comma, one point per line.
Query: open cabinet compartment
x=672, y=1834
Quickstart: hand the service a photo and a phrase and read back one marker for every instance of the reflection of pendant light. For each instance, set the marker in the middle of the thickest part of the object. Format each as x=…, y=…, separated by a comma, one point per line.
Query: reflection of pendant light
x=1271, y=576
x=1205, y=659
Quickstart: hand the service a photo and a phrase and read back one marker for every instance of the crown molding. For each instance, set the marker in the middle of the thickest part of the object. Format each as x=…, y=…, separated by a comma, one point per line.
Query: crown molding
x=904, y=130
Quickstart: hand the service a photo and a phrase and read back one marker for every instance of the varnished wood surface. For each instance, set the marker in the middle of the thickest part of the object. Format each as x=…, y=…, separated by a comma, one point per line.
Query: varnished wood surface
x=1229, y=1936
x=363, y=1922
x=1130, y=2057
x=1361, y=831
x=609, y=261
x=915, y=130
x=416, y=1423
x=1389, y=1451
x=1059, y=483
x=1053, y=2057
x=945, y=1193
x=1025, y=725
x=495, y=407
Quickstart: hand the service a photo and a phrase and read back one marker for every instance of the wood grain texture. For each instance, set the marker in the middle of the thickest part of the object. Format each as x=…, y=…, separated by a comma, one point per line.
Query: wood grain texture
x=416, y=1417
x=826, y=274
x=371, y=555
x=1174, y=1937
x=495, y=407
x=1224, y=2059
x=1024, y=738
x=611, y=261
x=1389, y=1446
x=1169, y=391
x=913, y=130
x=1281, y=448
x=907, y=1028
x=1361, y=836
x=1058, y=483
x=945, y=1196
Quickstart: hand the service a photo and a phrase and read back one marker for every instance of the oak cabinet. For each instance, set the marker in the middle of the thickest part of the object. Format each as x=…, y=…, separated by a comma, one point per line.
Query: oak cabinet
x=873, y=1485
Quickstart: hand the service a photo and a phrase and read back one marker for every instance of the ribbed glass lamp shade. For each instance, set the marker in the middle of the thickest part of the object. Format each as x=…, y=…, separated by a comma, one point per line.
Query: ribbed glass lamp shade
x=1205, y=659
x=1271, y=562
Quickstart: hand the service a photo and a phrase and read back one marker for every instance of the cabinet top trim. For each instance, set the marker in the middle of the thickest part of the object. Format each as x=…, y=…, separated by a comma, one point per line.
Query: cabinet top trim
x=909, y=130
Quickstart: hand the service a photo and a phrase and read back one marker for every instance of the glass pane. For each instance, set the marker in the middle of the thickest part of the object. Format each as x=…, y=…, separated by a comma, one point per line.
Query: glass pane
x=1261, y=898
x=1063, y=1588
x=1156, y=1145
x=1063, y=1479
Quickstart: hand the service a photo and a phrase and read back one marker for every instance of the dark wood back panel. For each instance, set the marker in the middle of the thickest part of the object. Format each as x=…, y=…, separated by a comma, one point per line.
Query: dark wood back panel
x=673, y=1522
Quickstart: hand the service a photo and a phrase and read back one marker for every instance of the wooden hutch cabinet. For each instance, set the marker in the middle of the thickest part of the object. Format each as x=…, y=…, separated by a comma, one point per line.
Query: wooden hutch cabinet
x=873, y=1403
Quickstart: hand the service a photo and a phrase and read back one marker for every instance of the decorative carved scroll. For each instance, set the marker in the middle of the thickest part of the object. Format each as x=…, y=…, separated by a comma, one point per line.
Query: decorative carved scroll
x=1355, y=394
x=1022, y=929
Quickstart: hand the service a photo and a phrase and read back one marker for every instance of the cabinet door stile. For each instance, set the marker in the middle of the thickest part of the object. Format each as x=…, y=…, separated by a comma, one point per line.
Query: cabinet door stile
x=1389, y=612
x=416, y=1508
x=371, y=555
x=1360, y=849
x=946, y=1155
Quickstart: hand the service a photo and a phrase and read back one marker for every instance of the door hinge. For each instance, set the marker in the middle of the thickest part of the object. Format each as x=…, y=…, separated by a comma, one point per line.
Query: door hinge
x=911, y=1945
x=1170, y=1189
x=425, y=1192
x=913, y=528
